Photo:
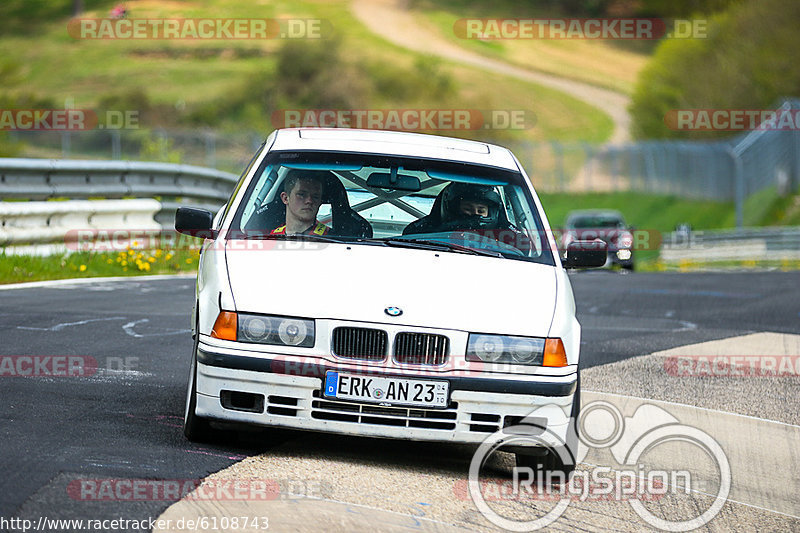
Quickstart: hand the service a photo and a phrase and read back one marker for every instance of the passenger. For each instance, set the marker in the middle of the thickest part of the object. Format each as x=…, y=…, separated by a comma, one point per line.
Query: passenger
x=466, y=206
x=302, y=196
x=471, y=208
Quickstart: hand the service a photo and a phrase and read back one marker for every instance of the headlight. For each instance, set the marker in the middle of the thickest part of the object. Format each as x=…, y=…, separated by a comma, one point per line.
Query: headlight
x=625, y=240
x=505, y=349
x=277, y=330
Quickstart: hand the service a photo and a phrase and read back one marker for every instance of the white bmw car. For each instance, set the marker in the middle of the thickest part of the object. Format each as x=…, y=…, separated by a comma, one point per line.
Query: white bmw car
x=384, y=284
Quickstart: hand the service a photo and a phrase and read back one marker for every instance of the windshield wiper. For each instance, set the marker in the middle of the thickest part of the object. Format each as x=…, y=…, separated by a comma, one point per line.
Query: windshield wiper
x=429, y=244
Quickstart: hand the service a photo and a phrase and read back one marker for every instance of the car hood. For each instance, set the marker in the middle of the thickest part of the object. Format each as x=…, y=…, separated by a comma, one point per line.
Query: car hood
x=358, y=282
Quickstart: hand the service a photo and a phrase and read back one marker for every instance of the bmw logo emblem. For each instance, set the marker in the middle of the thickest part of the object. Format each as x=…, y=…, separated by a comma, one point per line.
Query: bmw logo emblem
x=393, y=311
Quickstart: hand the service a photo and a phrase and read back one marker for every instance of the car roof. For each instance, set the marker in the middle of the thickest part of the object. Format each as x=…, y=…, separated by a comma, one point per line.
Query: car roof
x=595, y=213
x=395, y=143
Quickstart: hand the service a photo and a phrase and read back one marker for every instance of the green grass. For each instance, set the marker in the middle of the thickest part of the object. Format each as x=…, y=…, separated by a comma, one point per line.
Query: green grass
x=185, y=75
x=654, y=265
x=22, y=268
x=643, y=211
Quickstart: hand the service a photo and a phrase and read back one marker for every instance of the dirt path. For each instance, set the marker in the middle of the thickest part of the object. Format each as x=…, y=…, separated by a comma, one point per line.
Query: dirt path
x=393, y=21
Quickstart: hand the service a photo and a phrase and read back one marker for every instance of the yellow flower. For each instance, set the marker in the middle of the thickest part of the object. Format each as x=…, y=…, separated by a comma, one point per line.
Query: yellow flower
x=124, y=263
x=159, y=252
x=83, y=268
x=168, y=257
x=189, y=261
x=110, y=262
x=151, y=259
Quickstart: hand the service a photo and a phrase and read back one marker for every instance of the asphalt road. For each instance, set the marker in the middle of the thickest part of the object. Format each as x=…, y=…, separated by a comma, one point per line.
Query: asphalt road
x=125, y=420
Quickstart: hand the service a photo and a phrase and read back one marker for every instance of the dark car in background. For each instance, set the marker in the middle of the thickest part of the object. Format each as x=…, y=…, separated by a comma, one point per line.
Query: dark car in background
x=607, y=225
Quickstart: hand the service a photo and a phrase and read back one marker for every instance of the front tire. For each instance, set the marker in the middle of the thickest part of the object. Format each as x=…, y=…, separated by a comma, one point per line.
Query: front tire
x=552, y=461
x=195, y=428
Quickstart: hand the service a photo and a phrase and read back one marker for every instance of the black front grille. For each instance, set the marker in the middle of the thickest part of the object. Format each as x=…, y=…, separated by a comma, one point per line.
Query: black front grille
x=385, y=416
x=360, y=343
x=420, y=348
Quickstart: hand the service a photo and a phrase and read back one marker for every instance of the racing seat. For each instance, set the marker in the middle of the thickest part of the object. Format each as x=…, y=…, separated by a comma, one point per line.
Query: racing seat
x=345, y=221
x=429, y=222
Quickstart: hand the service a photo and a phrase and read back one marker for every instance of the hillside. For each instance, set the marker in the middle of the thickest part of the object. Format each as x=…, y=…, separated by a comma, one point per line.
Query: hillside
x=235, y=85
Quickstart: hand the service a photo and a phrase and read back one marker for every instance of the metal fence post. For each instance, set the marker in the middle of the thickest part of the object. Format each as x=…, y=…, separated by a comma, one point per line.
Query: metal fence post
x=65, y=144
x=738, y=184
x=795, y=178
x=588, y=165
x=211, y=149
x=116, y=145
x=558, y=152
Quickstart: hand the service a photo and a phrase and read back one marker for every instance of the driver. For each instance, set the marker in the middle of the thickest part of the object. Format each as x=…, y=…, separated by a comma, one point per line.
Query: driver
x=302, y=196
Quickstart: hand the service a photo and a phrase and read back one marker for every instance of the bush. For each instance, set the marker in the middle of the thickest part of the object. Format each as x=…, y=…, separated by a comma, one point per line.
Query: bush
x=747, y=62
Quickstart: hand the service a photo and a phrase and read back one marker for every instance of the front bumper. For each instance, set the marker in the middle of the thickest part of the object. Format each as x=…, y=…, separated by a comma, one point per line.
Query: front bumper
x=289, y=394
x=622, y=257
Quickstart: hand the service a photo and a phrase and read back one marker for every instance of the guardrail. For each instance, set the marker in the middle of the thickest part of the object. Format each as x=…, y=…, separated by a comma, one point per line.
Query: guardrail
x=744, y=244
x=43, y=228
x=43, y=179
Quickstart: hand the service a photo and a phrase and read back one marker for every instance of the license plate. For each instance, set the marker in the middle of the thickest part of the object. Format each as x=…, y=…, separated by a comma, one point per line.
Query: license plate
x=386, y=390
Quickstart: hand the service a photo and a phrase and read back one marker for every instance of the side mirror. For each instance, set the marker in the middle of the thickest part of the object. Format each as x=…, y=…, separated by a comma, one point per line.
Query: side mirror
x=586, y=254
x=195, y=222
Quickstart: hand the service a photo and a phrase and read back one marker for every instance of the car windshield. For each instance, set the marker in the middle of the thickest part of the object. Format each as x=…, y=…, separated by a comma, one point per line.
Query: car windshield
x=392, y=201
x=596, y=221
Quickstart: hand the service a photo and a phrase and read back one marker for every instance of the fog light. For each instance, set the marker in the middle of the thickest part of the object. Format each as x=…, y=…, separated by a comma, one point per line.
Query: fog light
x=624, y=255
